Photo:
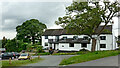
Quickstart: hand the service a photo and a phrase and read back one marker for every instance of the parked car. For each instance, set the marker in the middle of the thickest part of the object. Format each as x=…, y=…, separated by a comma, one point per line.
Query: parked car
x=0, y=56
x=16, y=54
x=8, y=55
x=24, y=56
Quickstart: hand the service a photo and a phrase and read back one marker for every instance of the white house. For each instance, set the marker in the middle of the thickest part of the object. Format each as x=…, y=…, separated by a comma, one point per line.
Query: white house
x=59, y=39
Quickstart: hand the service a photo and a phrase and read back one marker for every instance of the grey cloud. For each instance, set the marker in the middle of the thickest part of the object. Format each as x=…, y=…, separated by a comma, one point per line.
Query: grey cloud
x=46, y=12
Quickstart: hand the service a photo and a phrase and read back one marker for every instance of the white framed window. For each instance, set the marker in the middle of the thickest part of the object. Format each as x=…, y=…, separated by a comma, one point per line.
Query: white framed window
x=71, y=45
x=84, y=45
x=102, y=45
x=102, y=37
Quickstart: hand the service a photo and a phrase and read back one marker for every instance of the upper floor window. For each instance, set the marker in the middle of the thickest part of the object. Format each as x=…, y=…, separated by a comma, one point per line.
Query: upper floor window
x=71, y=45
x=64, y=38
x=102, y=45
x=102, y=37
x=84, y=45
x=85, y=37
x=46, y=37
x=75, y=37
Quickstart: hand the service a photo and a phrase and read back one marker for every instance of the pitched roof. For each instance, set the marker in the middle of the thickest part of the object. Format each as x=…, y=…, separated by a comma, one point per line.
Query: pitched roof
x=57, y=32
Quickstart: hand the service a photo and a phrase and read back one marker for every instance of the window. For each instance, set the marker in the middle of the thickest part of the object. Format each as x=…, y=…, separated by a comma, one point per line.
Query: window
x=46, y=37
x=46, y=44
x=75, y=37
x=103, y=37
x=84, y=45
x=57, y=38
x=85, y=38
x=102, y=45
x=64, y=38
x=71, y=45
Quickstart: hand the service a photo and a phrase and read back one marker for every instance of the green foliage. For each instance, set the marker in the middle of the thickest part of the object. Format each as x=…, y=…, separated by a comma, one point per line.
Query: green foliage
x=15, y=45
x=0, y=43
x=46, y=53
x=88, y=57
x=30, y=29
x=87, y=19
x=39, y=49
x=3, y=41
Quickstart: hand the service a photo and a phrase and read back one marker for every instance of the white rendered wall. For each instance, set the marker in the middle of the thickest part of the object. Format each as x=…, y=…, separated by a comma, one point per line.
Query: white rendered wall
x=109, y=43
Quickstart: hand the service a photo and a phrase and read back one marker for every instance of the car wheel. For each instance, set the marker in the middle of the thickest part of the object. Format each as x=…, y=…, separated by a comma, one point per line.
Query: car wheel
x=12, y=57
x=16, y=57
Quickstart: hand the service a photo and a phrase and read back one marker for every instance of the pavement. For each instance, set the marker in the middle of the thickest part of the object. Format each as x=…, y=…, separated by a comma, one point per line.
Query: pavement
x=107, y=61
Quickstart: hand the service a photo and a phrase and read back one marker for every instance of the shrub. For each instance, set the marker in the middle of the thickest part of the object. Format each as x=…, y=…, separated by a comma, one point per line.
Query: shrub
x=46, y=53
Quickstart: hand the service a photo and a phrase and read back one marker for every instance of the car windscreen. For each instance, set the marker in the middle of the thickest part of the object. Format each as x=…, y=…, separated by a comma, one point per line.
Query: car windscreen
x=24, y=54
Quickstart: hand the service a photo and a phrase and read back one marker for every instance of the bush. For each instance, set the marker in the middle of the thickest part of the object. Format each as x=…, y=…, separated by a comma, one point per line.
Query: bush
x=84, y=50
x=46, y=53
x=39, y=49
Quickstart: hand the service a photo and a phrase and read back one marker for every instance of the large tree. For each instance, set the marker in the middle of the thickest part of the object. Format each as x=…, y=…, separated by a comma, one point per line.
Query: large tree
x=30, y=29
x=4, y=41
x=82, y=18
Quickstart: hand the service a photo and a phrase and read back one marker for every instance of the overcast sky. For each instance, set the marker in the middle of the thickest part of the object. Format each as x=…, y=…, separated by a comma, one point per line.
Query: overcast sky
x=15, y=12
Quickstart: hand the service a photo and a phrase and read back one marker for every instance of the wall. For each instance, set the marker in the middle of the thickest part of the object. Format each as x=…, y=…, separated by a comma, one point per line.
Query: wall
x=109, y=43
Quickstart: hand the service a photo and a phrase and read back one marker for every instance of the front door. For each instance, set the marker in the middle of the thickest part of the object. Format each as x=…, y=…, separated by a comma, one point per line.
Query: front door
x=54, y=46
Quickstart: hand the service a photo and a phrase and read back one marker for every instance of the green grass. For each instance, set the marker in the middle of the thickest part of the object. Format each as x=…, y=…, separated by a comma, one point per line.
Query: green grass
x=46, y=53
x=88, y=57
x=5, y=63
x=72, y=53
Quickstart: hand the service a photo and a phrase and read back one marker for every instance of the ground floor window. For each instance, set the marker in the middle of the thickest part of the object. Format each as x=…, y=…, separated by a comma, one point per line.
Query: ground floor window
x=46, y=44
x=84, y=45
x=71, y=45
x=102, y=45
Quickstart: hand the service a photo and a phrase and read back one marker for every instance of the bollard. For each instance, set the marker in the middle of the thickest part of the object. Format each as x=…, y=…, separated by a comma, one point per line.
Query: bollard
x=38, y=56
x=9, y=60
x=31, y=58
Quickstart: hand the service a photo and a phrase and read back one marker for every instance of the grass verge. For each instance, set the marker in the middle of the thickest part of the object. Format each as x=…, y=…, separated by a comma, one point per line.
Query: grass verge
x=88, y=57
x=5, y=63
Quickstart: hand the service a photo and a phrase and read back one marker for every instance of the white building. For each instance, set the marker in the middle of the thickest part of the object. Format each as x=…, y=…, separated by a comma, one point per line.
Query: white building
x=58, y=39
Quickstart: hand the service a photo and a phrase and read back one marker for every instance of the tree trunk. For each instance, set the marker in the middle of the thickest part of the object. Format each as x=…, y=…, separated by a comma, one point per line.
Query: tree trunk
x=93, y=44
x=33, y=39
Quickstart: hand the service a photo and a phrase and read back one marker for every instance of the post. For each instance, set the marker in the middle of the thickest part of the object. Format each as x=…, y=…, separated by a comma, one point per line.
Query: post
x=31, y=58
x=38, y=56
x=9, y=60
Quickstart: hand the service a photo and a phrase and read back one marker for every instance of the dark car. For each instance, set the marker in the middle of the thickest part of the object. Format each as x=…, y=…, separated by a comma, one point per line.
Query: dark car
x=16, y=54
x=0, y=56
x=8, y=55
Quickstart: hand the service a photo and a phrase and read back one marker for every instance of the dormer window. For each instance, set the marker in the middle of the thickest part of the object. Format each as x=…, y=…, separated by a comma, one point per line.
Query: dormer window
x=46, y=37
x=75, y=37
x=85, y=37
x=64, y=38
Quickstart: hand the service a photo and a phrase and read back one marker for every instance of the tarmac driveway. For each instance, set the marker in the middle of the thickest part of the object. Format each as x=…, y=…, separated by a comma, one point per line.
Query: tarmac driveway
x=51, y=60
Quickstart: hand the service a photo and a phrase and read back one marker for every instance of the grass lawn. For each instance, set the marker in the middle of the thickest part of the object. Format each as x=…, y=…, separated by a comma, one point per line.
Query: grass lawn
x=88, y=57
x=5, y=63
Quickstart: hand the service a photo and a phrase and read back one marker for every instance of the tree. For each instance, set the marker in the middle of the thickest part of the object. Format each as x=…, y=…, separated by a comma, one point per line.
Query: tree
x=30, y=29
x=4, y=41
x=15, y=45
x=87, y=19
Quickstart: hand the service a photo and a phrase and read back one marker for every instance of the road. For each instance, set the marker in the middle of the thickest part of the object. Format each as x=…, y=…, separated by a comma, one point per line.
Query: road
x=50, y=60
x=53, y=62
